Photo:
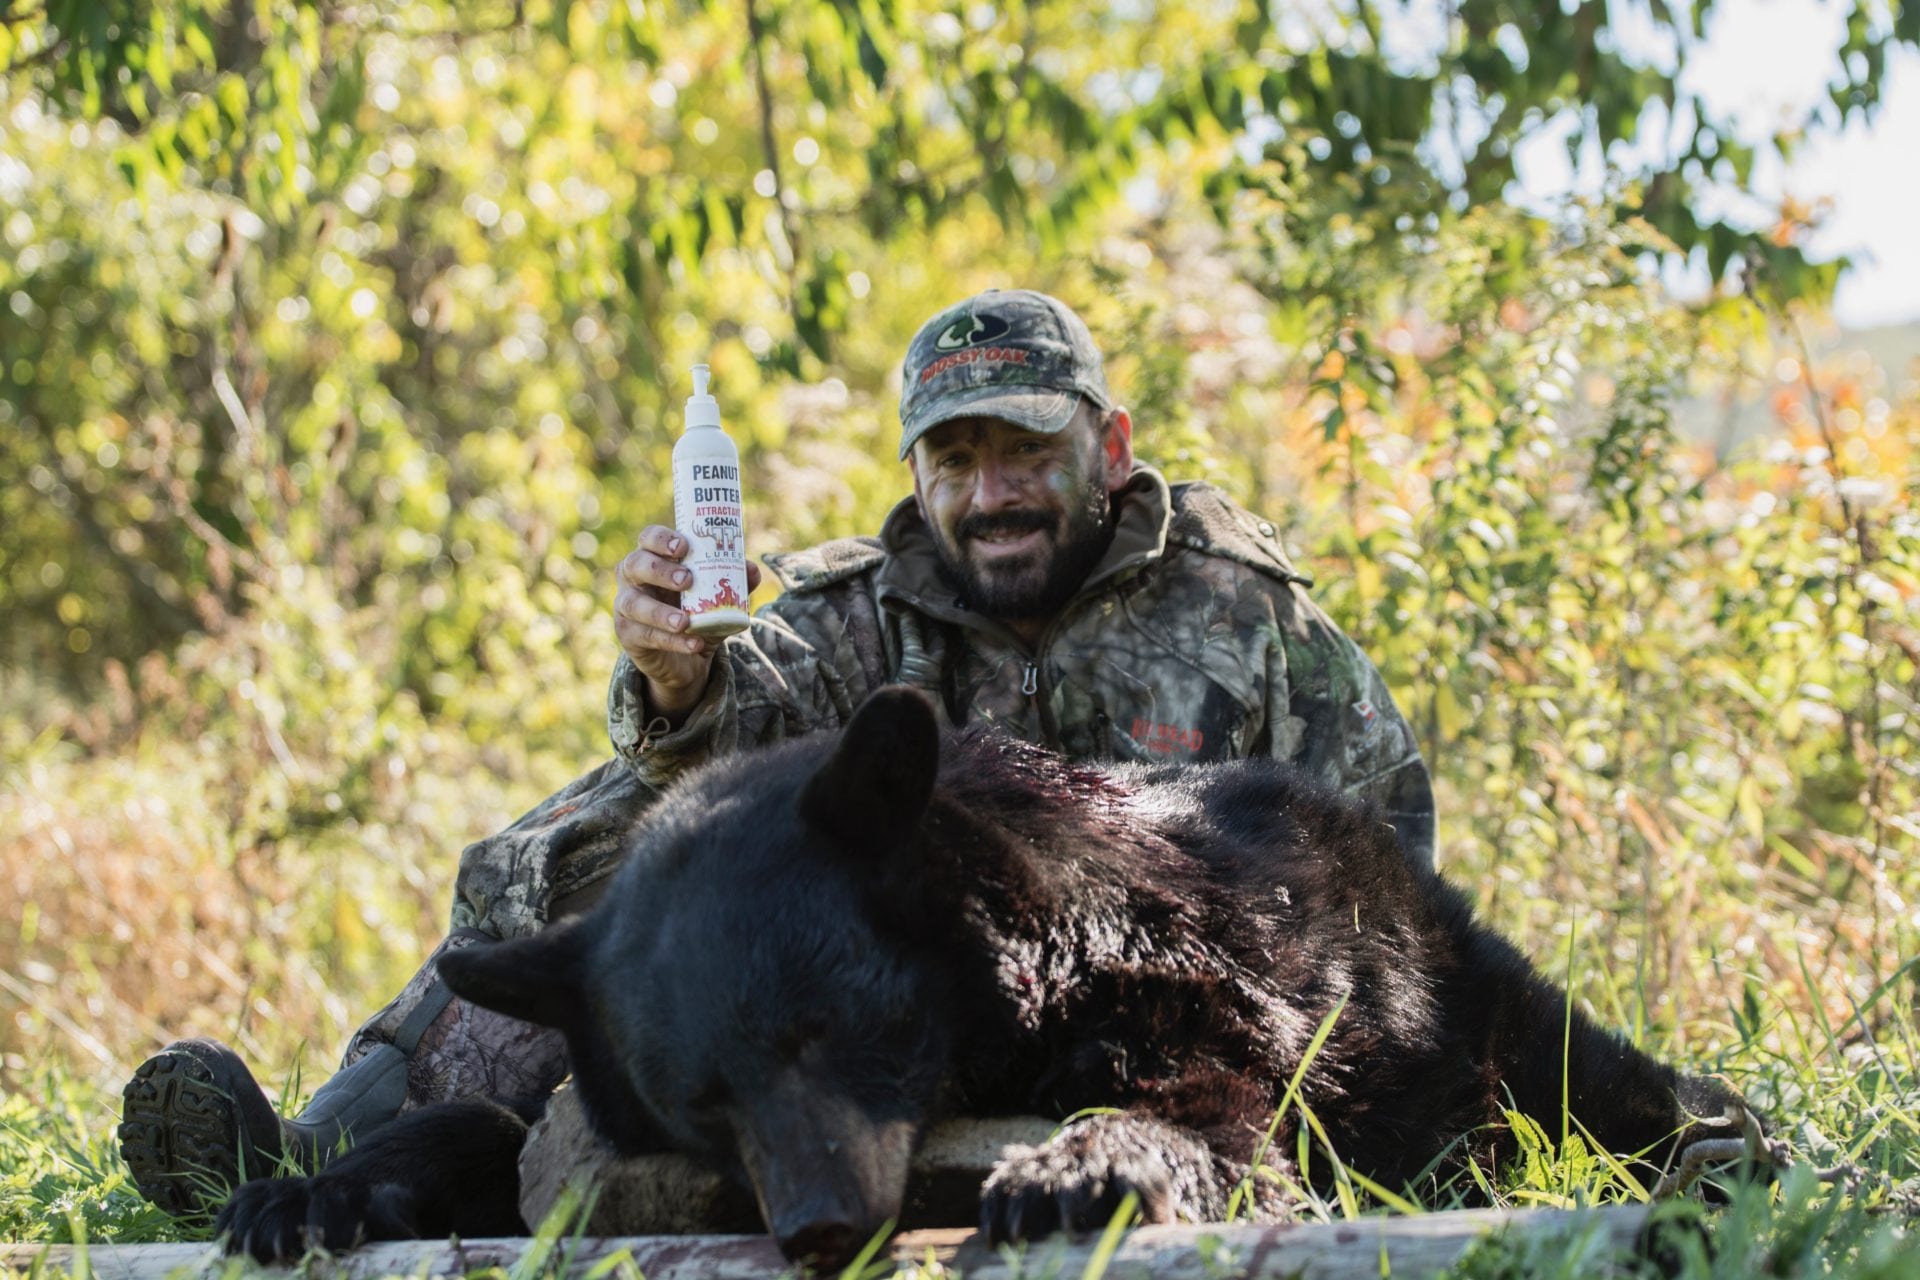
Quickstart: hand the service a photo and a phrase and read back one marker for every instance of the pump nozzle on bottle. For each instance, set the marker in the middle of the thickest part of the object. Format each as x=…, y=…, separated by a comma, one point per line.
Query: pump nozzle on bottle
x=702, y=409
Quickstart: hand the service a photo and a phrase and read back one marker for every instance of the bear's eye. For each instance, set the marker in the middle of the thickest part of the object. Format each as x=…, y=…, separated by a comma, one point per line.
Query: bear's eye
x=797, y=1036
x=710, y=1096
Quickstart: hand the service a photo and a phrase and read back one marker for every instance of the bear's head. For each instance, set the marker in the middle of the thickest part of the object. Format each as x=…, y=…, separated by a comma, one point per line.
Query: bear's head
x=758, y=987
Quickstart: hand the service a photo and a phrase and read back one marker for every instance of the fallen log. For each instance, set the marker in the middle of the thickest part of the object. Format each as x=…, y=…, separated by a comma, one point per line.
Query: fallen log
x=663, y=1195
x=1421, y=1246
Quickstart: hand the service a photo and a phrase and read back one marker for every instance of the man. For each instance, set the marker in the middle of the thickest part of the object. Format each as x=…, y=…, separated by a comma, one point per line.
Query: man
x=1039, y=581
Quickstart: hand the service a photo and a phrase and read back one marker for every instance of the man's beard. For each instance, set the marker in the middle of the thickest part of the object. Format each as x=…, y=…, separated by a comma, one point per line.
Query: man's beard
x=1038, y=585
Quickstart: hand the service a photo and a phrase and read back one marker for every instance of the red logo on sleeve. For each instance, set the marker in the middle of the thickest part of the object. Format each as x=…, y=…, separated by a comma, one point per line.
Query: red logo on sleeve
x=1166, y=739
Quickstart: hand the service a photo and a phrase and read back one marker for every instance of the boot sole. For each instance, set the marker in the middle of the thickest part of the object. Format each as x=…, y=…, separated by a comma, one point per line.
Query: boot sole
x=180, y=1135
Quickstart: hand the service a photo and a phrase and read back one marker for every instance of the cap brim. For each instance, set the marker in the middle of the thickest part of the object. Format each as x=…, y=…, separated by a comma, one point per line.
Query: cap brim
x=1046, y=410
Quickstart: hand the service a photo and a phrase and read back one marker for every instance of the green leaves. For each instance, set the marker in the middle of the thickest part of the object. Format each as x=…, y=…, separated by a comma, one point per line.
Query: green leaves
x=1036, y=113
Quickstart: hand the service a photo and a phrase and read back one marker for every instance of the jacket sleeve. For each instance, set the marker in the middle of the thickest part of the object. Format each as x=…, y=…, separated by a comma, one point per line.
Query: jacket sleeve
x=1340, y=721
x=784, y=676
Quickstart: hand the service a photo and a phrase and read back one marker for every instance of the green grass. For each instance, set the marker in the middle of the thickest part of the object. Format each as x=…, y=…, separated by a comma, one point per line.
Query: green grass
x=1835, y=1093
x=1797, y=1228
x=61, y=1180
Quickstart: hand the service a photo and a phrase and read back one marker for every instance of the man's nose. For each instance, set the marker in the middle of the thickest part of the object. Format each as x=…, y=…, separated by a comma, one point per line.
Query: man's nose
x=996, y=486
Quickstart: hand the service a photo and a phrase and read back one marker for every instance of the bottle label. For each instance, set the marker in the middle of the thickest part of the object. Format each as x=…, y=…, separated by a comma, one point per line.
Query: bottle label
x=707, y=510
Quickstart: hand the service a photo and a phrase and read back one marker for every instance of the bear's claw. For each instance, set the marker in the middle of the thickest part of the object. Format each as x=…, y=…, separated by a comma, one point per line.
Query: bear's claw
x=266, y=1219
x=280, y=1219
x=1079, y=1180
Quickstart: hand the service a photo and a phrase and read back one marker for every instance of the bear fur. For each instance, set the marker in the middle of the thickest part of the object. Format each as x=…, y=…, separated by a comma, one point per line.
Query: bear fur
x=812, y=950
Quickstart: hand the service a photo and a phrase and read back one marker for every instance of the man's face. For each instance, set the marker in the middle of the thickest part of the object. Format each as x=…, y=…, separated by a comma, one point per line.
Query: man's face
x=1019, y=518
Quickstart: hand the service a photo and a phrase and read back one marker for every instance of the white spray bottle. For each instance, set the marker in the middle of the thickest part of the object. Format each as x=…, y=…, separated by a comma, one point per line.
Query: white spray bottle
x=707, y=510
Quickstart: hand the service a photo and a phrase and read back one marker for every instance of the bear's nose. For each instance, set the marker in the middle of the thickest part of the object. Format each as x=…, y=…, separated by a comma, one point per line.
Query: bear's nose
x=824, y=1246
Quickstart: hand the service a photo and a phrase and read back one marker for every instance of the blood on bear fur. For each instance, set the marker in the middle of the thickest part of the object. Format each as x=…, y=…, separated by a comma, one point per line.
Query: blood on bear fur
x=813, y=950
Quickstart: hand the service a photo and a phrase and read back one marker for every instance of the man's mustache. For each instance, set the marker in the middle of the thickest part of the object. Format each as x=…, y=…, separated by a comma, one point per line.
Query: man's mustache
x=1003, y=523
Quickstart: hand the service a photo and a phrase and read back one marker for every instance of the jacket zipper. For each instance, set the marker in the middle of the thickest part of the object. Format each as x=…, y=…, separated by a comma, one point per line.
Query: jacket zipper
x=1041, y=701
x=1032, y=687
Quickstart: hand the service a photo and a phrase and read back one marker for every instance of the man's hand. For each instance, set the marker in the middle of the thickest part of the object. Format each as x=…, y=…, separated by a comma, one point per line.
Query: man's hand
x=652, y=627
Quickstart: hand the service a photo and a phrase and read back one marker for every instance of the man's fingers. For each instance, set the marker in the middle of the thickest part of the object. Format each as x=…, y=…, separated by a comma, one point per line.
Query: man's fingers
x=653, y=572
x=641, y=640
x=648, y=609
x=661, y=540
x=647, y=618
x=656, y=572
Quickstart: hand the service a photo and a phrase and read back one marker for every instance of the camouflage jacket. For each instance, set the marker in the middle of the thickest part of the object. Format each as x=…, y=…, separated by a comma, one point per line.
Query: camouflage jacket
x=1193, y=639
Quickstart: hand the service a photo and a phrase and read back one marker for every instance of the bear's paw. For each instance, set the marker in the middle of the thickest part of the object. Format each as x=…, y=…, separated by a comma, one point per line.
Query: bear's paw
x=1077, y=1181
x=282, y=1219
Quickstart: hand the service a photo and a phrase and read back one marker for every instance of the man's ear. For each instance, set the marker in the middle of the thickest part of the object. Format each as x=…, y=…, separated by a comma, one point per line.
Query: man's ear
x=535, y=979
x=913, y=469
x=873, y=790
x=1116, y=449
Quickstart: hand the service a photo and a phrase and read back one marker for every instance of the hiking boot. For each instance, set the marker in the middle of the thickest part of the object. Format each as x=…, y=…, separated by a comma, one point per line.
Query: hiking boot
x=195, y=1124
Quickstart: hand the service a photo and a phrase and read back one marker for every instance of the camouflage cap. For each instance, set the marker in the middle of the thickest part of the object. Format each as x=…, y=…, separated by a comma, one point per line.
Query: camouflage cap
x=1011, y=354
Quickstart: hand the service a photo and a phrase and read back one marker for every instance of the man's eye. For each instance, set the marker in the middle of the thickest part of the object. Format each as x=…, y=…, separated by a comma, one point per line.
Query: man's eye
x=950, y=461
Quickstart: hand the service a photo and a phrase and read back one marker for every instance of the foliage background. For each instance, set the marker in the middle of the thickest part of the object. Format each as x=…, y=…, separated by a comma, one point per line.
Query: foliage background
x=341, y=350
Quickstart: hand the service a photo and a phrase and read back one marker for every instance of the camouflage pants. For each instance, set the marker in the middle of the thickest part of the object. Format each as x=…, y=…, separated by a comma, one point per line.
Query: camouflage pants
x=550, y=863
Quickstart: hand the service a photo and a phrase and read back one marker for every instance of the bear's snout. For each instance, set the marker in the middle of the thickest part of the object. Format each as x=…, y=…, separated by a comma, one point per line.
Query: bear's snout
x=828, y=1175
x=825, y=1245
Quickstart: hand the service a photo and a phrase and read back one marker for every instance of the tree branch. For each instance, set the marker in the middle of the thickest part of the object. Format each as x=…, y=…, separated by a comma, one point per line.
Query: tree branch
x=756, y=34
x=1855, y=521
x=146, y=593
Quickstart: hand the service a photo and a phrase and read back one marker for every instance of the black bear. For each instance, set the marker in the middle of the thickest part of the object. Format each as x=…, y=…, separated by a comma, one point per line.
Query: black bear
x=811, y=951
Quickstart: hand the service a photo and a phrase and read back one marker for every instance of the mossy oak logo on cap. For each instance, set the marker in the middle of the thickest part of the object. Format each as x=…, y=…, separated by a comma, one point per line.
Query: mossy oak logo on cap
x=975, y=355
x=968, y=331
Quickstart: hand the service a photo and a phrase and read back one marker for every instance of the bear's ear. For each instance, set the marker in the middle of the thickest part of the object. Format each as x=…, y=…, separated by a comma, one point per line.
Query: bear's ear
x=533, y=979
x=874, y=788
